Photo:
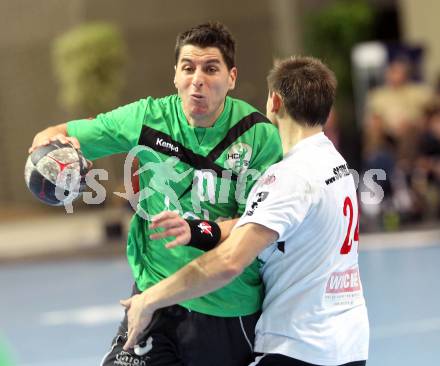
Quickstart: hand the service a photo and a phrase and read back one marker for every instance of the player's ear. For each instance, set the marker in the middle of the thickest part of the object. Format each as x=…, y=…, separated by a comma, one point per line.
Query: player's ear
x=232, y=78
x=277, y=102
x=274, y=102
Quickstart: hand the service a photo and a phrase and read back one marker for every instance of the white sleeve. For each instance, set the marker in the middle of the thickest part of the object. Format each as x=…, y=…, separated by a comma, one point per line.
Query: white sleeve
x=279, y=201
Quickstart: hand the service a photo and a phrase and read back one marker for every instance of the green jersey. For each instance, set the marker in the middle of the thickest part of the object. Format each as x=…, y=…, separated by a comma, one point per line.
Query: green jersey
x=203, y=173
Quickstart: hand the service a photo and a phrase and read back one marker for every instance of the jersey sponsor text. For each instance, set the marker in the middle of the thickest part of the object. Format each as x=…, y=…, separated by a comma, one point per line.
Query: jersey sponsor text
x=347, y=281
x=338, y=173
x=167, y=145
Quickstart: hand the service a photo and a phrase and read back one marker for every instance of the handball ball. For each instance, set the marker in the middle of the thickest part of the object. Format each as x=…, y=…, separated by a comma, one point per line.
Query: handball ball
x=55, y=173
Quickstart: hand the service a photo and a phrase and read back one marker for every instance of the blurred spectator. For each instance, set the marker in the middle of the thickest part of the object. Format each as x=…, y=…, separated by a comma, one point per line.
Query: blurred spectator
x=392, y=129
x=395, y=111
x=426, y=176
x=437, y=90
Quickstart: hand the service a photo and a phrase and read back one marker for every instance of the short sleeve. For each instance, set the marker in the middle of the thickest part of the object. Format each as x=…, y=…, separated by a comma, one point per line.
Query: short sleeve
x=279, y=201
x=110, y=133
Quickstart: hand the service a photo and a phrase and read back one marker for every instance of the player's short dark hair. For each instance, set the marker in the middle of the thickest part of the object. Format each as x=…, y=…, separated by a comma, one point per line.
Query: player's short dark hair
x=211, y=34
x=307, y=88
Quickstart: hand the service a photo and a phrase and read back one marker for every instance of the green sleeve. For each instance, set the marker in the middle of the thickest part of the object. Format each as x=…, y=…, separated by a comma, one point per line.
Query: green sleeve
x=110, y=133
x=268, y=150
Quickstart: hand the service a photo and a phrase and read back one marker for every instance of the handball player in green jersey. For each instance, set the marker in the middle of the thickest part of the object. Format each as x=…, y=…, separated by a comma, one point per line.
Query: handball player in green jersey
x=298, y=222
x=199, y=151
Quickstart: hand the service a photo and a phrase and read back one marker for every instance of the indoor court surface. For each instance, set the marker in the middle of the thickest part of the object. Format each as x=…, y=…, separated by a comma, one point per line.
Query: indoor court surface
x=65, y=313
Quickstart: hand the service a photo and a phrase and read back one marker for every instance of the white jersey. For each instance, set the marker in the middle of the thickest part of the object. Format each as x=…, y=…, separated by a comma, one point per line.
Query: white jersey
x=314, y=308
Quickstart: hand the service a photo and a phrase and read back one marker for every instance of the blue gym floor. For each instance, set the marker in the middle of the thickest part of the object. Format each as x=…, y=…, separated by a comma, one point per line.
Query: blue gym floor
x=65, y=313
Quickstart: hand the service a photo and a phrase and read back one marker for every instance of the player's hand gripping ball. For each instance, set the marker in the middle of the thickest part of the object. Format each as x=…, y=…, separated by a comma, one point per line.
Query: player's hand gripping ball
x=55, y=173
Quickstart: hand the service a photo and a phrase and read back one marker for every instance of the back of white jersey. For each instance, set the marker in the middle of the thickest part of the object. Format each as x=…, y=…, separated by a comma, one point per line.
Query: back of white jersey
x=314, y=309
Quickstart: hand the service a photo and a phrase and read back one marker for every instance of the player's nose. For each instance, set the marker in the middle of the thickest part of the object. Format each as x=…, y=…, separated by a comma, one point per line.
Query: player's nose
x=197, y=79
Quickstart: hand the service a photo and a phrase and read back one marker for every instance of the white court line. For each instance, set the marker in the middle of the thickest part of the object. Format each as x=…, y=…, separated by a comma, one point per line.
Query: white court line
x=382, y=332
x=71, y=362
x=406, y=328
x=399, y=240
x=95, y=315
x=87, y=316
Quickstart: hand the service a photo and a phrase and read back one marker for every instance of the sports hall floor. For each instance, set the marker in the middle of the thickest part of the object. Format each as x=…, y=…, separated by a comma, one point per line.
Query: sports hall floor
x=65, y=312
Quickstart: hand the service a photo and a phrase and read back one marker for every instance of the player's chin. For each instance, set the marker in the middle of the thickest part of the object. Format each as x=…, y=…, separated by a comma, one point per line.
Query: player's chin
x=199, y=112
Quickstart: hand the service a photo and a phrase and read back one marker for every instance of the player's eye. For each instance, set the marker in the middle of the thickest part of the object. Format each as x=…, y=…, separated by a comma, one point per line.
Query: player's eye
x=212, y=69
x=187, y=68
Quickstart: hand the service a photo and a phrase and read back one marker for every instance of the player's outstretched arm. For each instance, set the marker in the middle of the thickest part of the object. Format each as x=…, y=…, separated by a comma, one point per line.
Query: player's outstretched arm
x=212, y=270
x=57, y=132
x=175, y=226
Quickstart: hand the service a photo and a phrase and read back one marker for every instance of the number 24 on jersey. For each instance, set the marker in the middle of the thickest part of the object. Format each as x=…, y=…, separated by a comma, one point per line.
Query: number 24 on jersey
x=349, y=236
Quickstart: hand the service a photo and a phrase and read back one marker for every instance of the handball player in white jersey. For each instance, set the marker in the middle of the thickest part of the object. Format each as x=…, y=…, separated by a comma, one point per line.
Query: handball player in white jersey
x=302, y=221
